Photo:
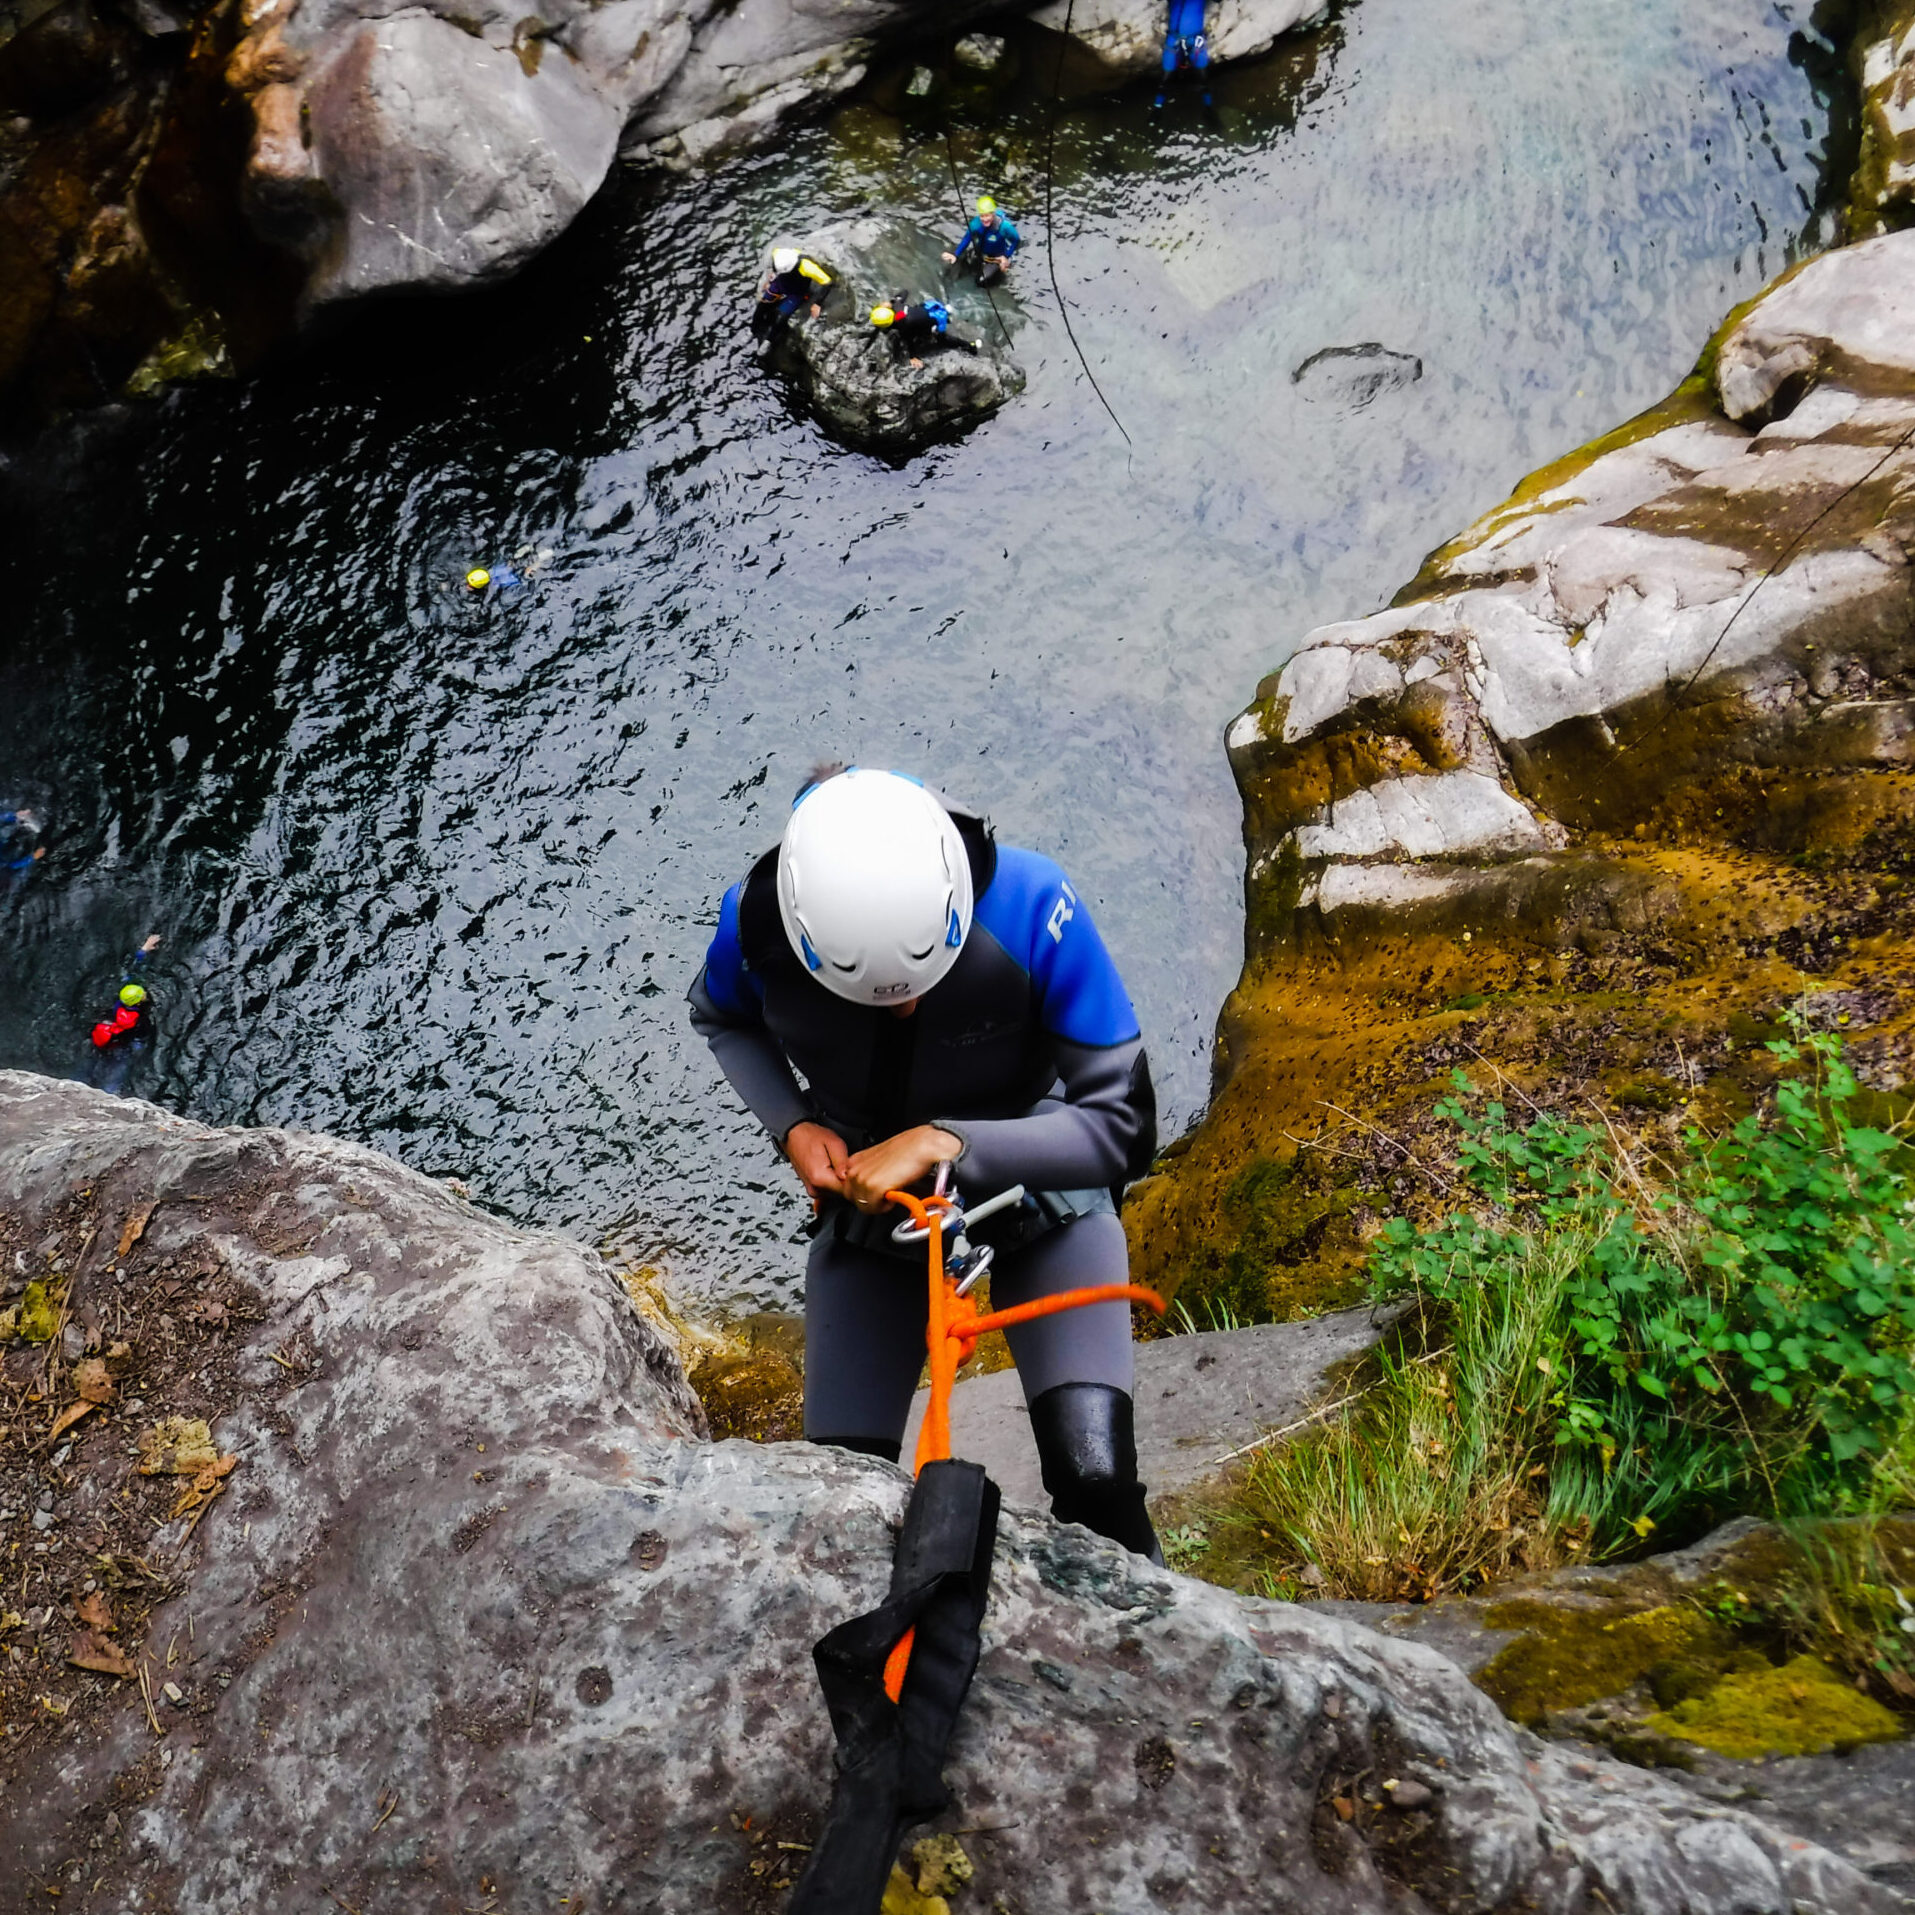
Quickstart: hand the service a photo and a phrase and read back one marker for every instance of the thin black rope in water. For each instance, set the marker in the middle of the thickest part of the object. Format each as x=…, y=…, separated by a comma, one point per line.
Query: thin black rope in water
x=1050, y=223
x=964, y=219
x=1788, y=552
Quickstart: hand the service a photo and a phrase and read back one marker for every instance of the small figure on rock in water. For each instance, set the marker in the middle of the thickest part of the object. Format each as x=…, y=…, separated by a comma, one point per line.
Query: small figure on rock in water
x=120, y=1039
x=793, y=281
x=921, y=326
x=947, y=1000
x=20, y=849
x=989, y=244
x=1186, y=48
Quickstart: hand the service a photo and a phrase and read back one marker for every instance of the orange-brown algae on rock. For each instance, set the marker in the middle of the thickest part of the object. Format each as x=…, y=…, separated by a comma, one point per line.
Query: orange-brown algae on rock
x=1802, y=1708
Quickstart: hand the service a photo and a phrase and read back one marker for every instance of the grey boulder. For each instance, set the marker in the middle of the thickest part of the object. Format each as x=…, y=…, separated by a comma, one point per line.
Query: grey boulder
x=858, y=380
x=483, y=1622
x=420, y=149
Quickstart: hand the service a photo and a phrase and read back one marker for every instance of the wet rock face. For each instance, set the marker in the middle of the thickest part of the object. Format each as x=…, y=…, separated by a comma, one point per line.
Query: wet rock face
x=123, y=247
x=436, y=149
x=479, y=1615
x=1882, y=63
x=1129, y=34
x=858, y=380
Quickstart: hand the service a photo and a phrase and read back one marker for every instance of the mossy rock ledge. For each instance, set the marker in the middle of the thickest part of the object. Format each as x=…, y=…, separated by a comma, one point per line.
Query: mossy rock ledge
x=1627, y=769
x=467, y=1611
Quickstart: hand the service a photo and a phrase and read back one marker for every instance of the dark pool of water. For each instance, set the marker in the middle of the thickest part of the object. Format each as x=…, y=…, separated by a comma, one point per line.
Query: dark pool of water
x=434, y=869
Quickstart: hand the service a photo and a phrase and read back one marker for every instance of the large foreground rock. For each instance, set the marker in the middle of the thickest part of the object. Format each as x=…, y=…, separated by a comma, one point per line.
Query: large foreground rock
x=481, y=1622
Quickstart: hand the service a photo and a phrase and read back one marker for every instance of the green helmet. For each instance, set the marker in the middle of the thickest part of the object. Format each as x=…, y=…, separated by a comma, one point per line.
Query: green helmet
x=132, y=995
x=986, y=206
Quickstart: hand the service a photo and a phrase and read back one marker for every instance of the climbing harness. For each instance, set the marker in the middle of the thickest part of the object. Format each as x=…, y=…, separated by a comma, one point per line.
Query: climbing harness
x=1050, y=224
x=895, y=1680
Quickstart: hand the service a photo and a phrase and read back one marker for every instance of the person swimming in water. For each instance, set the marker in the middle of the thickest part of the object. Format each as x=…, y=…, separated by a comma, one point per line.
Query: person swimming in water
x=121, y=1039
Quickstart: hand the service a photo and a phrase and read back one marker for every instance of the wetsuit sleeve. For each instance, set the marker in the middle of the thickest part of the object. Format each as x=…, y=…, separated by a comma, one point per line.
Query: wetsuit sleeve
x=728, y=1013
x=1102, y=1130
x=968, y=238
x=1013, y=239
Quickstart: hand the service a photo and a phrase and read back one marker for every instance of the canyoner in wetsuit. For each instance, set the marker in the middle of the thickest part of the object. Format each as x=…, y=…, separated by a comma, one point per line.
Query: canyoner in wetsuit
x=117, y=1040
x=1186, y=45
x=20, y=849
x=920, y=327
x=989, y=243
x=794, y=281
x=943, y=997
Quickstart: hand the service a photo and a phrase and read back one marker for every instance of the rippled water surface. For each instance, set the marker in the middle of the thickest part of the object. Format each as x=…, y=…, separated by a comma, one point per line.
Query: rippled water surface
x=434, y=869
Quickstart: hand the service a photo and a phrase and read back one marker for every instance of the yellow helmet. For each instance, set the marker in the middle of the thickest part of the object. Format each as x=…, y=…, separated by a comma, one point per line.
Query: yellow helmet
x=882, y=315
x=986, y=206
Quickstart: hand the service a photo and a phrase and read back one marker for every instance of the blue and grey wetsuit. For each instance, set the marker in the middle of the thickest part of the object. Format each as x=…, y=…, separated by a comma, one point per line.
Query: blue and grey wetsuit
x=993, y=247
x=1028, y=1051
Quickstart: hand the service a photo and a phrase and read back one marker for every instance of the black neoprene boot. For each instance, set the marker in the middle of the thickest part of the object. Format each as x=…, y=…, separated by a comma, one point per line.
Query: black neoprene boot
x=1087, y=1444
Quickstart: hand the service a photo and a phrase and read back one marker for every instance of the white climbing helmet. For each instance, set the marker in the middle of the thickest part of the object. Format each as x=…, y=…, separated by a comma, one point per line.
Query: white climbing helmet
x=784, y=259
x=874, y=886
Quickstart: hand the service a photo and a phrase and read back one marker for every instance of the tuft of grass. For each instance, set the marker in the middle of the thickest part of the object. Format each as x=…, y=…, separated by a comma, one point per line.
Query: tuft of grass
x=1437, y=1477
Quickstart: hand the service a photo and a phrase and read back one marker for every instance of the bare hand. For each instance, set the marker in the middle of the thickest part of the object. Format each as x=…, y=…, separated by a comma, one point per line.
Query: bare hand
x=897, y=1163
x=950, y=259
x=152, y=943
x=818, y=1156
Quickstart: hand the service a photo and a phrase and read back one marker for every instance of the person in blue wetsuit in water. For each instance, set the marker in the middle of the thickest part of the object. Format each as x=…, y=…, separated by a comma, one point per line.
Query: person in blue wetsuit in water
x=121, y=1039
x=1186, y=47
x=20, y=850
x=943, y=998
x=988, y=245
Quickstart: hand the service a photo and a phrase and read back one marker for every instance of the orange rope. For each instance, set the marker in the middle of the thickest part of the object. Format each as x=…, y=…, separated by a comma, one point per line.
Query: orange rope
x=951, y=1331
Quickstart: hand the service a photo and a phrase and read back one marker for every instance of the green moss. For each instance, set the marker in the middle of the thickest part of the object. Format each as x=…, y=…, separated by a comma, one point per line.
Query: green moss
x=38, y=1319
x=1567, y=1657
x=1799, y=1709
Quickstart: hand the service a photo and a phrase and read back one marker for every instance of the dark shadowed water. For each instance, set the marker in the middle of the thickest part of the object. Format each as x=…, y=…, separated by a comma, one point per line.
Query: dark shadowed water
x=435, y=868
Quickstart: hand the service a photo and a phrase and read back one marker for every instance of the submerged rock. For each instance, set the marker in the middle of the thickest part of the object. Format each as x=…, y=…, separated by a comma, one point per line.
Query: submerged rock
x=1354, y=376
x=859, y=381
x=477, y=1615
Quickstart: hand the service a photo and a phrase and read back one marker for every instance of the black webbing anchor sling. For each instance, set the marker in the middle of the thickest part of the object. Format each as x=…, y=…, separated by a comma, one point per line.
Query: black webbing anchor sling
x=891, y=1754
x=895, y=1679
